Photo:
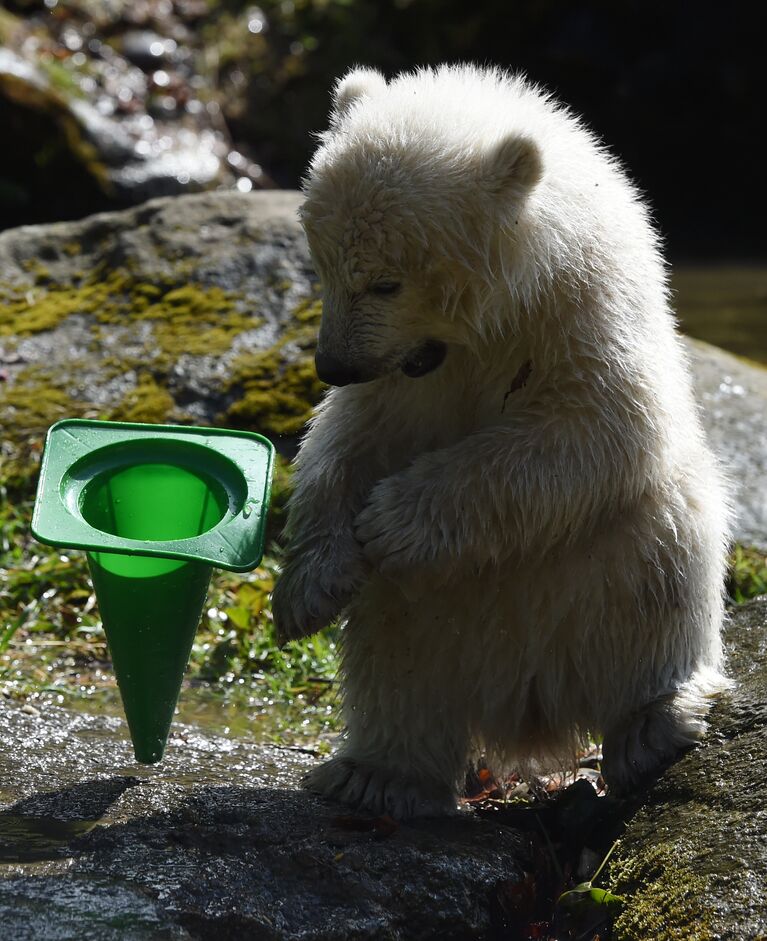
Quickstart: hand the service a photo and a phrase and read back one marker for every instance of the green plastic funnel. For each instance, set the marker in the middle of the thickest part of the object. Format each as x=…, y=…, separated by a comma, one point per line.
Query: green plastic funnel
x=157, y=508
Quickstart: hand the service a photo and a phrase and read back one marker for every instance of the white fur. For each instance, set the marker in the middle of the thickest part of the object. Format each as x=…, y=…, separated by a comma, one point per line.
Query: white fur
x=528, y=543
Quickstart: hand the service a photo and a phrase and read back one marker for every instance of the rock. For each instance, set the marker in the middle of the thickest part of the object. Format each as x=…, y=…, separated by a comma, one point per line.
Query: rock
x=110, y=104
x=217, y=842
x=733, y=396
x=201, y=308
x=693, y=860
x=147, y=49
x=131, y=154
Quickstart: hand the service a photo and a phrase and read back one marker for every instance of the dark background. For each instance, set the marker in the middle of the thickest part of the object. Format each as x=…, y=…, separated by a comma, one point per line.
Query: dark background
x=675, y=89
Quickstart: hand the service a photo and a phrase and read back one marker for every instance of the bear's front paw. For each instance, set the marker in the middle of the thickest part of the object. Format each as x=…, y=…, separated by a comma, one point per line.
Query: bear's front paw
x=379, y=790
x=390, y=530
x=313, y=589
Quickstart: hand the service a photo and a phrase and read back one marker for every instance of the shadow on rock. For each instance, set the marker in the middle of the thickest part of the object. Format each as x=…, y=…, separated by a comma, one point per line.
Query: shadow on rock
x=45, y=825
x=230, y=861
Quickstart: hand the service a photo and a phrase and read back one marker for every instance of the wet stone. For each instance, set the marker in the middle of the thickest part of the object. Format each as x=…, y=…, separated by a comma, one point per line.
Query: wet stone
x=693, y=860
x=217, y=841
x=733, y=396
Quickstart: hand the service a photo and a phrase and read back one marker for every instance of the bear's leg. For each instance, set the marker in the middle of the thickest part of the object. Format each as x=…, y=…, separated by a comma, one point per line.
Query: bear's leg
x=644, y=743
x=406, y=745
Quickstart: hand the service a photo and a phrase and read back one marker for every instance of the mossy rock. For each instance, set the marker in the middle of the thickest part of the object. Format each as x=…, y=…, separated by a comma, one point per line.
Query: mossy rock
x=666, y=897
x=199, y=309
x=693, y=860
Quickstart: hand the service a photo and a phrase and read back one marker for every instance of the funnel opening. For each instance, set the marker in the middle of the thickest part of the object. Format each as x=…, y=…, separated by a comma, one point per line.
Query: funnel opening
x=219, y=480
x=154, y=492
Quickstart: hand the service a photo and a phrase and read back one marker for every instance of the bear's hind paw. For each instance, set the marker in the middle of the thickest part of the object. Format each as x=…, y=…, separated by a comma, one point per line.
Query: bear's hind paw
x=378, y=790
x=637, y=751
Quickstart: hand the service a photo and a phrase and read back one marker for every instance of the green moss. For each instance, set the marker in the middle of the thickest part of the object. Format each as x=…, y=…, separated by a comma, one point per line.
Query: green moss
x=37, y=269
x=8, y=25
x=32, y=403
x=666, y=899
x=62, y=79
x=36, y=309
x=278, y=388
x=196, y=320
x=747, y=576
x=189, y=318
x=282, y=487
x=146, y=402
x=279, y=396
x=309, y=311
x=28, y=407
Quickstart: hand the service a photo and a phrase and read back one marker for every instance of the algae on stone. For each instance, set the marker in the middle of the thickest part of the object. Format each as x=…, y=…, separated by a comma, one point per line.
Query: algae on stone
x=187, y=318
x=32, y=403
x=278, y=387
x=191, y=318
x=664, y=897
x=147, y=402
x=28, y=407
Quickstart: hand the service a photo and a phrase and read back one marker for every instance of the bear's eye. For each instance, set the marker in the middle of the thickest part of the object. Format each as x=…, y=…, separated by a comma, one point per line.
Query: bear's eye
x=383, y=288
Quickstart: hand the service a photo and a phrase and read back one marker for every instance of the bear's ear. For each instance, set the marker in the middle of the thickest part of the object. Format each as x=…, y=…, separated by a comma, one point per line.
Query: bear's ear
x=357, y=83
x=513, y=165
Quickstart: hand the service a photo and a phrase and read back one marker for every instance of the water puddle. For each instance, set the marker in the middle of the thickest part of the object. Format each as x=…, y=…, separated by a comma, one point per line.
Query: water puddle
x=240, y=714
x=25, y=839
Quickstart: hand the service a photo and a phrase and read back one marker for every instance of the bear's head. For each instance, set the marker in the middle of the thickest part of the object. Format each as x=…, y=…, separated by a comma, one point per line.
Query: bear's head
x=407, y=199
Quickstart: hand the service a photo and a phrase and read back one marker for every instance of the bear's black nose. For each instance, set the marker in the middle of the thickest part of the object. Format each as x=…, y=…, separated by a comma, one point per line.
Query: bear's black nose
x=333, y=371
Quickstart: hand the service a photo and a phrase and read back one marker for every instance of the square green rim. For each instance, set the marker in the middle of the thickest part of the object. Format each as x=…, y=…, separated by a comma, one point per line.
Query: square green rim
x=236, y=543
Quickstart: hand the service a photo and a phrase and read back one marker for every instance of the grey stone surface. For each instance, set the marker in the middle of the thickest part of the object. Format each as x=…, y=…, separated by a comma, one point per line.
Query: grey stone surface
x=250, y=245
x=733, y=396
x=217, y=842
x=698, y=845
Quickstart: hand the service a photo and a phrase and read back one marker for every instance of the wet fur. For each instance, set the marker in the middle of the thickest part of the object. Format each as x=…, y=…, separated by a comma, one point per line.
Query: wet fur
x=528, y=544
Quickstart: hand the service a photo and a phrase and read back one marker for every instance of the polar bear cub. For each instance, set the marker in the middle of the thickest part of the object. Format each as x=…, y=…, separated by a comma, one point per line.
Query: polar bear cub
x=507, y=497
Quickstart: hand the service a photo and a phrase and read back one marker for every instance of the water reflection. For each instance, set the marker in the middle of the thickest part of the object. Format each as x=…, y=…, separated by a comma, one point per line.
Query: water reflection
x=248, y=713
x=726, y=306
